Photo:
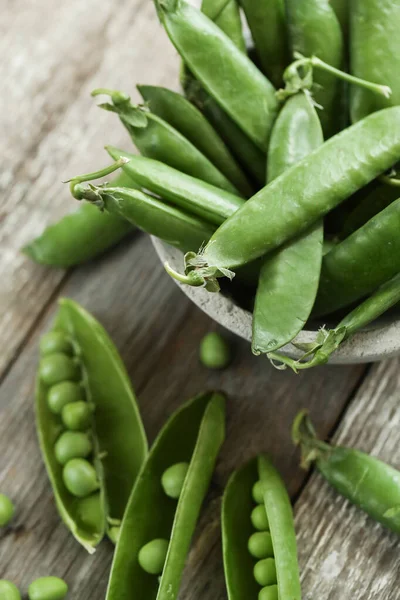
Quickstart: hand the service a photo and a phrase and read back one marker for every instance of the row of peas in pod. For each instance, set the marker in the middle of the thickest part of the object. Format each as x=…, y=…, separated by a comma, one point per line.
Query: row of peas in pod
x=89, y=428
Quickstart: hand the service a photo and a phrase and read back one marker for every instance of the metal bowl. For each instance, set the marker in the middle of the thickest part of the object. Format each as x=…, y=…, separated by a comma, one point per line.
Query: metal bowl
x=379, y=340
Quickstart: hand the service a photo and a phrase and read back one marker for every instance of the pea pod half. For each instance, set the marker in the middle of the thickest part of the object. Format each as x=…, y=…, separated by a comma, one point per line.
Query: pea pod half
x=289, y=278
x=92, y=474
x=258, y=537
x=226, y=14
x=300, y=196
x=157, y=527
x=222, y=69
x=80, y=236
x=367, y=482
x=156, y=139
x=178, y=112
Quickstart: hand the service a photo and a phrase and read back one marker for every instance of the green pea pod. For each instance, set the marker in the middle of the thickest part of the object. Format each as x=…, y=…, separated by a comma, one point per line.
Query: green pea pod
x=328, y=340
x=376, y=200
x=289, y=278
x=299, y=197
x=374, y=53
x=194, y=435
x=226, y=14
x=248, y=154
x=156, y=139
x=189, y=121
x=361, y=263
x=315, y=30
x=342, y=11
x=119, y=442
x=267, y=22
x=80, y=236
x=237, y=529
x=187, y=192
x=367, y=482
x=222, y=69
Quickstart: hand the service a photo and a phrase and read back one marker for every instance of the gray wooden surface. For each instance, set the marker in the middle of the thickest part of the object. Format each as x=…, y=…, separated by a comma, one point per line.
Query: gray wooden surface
x=53, y=55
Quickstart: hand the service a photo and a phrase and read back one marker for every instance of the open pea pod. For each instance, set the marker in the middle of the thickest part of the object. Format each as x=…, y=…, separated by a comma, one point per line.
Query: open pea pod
x=258, y=537
x=157, y=528
x=89, y=427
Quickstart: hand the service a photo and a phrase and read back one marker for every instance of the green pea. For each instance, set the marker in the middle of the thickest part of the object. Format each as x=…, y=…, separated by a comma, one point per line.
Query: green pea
x=259, y=518
x=90, y=513
x=214, y=351
x=265, y=572
x=63, y=393
x=269, y=593
x=7, y=510
x=47, y=588
x=58, y=367
x=113, y=533
x=258, y=493
x=9, y=591
x=173, y=479
x=80, y=477
x=152, y=556
x=72, y=444
x=260, y=545
x=55, y=341
x=77, y=416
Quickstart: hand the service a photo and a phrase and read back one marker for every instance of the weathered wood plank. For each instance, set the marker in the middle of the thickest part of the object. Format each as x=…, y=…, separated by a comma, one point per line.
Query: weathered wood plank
x=344, y=554
x=157, y=331
x=54, y=54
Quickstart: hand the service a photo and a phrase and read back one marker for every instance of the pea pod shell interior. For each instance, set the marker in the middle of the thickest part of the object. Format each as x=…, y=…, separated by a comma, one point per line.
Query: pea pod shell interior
x=193, y=434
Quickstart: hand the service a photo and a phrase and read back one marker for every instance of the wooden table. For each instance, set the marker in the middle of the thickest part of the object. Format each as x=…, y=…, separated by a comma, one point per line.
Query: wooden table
x=53, y=55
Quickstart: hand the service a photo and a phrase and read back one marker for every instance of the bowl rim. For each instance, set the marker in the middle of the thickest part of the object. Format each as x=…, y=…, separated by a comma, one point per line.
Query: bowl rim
x=365, y=346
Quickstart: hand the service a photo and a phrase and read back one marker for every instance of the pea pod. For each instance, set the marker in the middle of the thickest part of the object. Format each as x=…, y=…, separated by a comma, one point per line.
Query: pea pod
x=300, y=196
x=360, y=263
x=189, y=193
x=80, y=236
x=248, y=154
x=241, y=547
x=342, y=11
x=188, y=120
x=315, y=30
x=328, y=340
x=367, y=482
x=289, y=278
x=193, y=434
x=226, y=14
x=374, y=53
x=118, y=438
x=155, y=138
x=267, y=22
x=222, y=69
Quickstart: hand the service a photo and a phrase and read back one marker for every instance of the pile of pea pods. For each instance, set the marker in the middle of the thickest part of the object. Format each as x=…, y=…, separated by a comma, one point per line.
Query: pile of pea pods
x=275, y=166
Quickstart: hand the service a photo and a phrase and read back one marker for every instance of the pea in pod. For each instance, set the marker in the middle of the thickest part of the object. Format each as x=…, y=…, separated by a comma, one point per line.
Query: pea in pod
x=156, y=530
x=299, y=197
x=267, y=22
x=367, y=482
x=92, y=477
x=315, y=30
x=374, y=53
x=263, y=562
x=179, y=113
x=80, y=236
x=289, y=278
x=361, y=263
x=155, y=138
x=223, y=70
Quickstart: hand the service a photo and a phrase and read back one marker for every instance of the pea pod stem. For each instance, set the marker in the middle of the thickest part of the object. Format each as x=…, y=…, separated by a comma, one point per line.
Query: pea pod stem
x=294, y=82
x=77, y=190
x=390, y=180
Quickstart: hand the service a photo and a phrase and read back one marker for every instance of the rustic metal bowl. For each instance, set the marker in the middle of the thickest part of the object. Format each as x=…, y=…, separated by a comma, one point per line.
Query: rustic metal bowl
x=378, y=341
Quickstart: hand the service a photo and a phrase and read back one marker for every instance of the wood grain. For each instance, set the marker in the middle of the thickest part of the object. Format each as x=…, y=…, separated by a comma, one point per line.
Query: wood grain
x=343, y=553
